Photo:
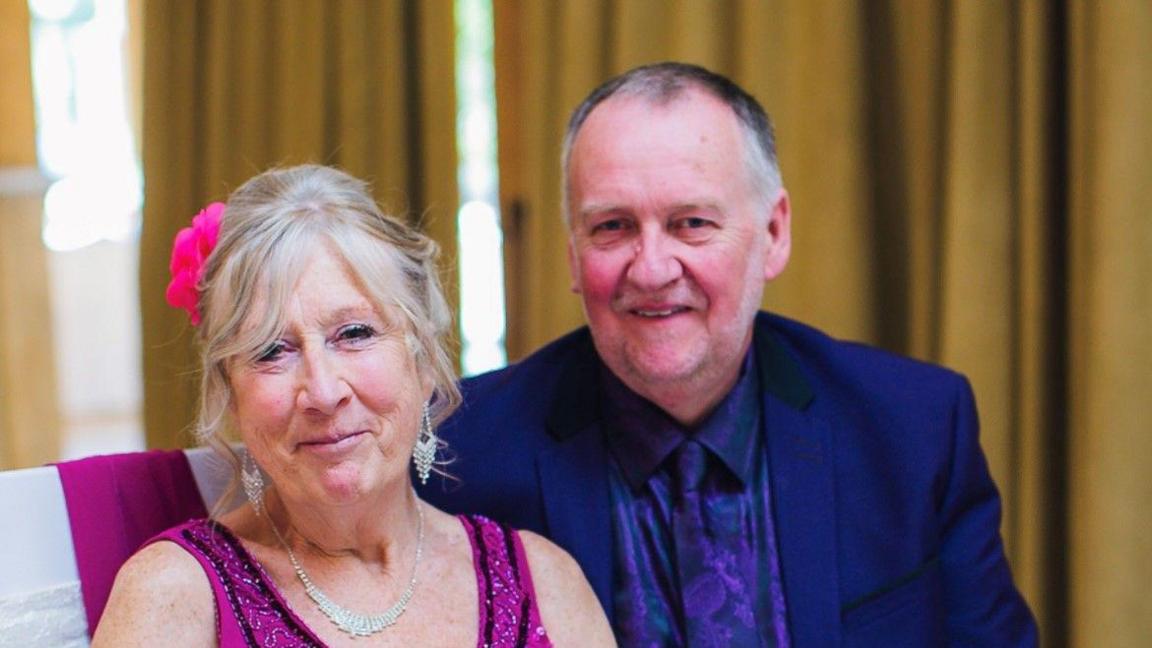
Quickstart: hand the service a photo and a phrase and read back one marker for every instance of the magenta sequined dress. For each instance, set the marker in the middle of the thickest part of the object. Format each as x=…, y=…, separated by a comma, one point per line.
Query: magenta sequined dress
x=251, y=612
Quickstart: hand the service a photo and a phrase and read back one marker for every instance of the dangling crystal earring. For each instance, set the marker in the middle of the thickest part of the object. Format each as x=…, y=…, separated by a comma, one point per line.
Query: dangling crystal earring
x=253, y=483
x=425, y=452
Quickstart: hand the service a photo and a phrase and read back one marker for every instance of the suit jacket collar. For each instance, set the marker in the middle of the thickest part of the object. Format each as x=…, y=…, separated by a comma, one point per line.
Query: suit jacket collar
x=576, y=405
x=573, y=477
x=780, y=374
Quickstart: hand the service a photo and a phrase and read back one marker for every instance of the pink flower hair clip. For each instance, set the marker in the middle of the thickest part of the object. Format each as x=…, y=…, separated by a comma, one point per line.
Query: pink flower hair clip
x=190, y=250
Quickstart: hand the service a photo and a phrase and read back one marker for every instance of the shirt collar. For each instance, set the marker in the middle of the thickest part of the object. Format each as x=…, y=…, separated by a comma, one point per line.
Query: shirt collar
x=641, y=436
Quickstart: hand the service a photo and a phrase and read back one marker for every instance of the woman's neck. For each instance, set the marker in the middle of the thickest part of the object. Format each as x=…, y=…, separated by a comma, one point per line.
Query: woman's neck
x=379, y=528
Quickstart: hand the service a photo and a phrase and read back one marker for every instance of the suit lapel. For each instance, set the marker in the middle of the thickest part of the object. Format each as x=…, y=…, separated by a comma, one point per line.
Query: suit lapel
x=801, y=465
x=803, y=502
x=574, y=484
x=573, y=473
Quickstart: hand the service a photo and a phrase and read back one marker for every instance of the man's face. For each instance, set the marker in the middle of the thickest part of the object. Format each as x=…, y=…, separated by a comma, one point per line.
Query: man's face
x=670, y=243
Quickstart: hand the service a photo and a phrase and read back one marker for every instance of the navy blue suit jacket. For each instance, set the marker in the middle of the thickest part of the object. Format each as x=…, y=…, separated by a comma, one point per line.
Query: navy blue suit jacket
x=888, y=520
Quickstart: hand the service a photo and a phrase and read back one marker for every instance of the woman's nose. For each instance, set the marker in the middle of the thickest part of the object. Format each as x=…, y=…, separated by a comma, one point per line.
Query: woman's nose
x=323, y=387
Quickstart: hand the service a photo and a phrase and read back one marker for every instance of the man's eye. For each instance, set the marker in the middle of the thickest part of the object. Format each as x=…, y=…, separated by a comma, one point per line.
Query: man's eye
x=609, y=226
x=692, y=222
x=272, y=352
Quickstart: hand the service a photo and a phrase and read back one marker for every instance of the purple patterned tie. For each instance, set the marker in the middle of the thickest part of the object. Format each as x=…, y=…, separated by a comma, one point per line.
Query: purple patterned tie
x=711, y=560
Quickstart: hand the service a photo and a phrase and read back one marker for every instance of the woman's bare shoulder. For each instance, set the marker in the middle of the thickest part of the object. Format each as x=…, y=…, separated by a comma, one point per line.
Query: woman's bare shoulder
x=568, y=607
x=161, y=597
x=547, y=560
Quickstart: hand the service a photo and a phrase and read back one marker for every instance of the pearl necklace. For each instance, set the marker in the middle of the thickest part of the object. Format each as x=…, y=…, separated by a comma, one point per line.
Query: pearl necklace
x=345, y=620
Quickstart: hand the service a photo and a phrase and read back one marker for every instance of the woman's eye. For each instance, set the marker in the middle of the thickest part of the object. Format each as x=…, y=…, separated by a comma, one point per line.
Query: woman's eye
x=272, y=352
x=355, y=332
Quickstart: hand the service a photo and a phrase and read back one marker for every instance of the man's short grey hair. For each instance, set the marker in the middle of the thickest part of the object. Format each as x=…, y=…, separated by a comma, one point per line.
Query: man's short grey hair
x=663, y=83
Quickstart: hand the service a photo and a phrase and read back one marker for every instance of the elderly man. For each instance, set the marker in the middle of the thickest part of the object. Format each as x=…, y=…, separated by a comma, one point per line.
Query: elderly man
x=725, y=476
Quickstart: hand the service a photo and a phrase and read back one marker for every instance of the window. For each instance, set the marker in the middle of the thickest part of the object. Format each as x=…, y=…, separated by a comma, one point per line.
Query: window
x=91, y=219
x=478, y=222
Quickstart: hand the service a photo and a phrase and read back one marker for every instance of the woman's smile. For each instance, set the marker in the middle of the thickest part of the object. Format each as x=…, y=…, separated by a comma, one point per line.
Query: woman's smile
x=334, y=445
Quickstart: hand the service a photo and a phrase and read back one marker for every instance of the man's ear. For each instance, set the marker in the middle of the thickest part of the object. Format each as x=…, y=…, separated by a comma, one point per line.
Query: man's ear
x=779, y=236
x=573, y=267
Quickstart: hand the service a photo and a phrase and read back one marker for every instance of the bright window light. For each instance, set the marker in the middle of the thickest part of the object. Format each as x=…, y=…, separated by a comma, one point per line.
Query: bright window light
x=84, y=140
x=478, y=222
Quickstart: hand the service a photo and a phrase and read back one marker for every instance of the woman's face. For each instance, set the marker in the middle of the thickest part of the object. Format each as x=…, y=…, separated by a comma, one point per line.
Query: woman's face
x=331, y=409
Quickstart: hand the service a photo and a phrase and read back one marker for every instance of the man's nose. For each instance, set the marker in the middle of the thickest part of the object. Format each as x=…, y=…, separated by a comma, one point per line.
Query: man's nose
x=324, y=388
x=655, y=263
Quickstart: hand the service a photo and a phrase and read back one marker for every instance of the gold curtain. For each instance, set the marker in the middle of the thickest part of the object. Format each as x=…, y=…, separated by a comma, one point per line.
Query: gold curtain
x=30, y=425
x=231, y=88
x=1110, y=322
x=970, y=186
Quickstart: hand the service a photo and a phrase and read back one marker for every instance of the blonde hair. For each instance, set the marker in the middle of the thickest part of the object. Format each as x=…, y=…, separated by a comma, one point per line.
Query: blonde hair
x=271, y=225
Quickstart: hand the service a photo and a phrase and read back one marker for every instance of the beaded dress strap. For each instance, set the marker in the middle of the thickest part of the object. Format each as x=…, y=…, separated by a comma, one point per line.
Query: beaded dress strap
x=508, y=615
x=250, y=610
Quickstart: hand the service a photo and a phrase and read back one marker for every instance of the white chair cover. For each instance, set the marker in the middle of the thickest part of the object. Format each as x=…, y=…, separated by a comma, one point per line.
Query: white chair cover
x=40, y=601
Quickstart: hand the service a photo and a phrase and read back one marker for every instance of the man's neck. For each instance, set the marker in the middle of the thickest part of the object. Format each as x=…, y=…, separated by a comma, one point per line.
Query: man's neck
x=688, y=402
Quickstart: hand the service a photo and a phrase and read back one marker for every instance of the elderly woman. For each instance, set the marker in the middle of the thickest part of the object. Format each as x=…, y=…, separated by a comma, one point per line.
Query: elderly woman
x=321, y=323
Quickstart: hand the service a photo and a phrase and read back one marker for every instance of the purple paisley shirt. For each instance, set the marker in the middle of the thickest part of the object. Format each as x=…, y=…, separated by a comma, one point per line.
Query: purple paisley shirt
x=652, y=607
